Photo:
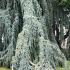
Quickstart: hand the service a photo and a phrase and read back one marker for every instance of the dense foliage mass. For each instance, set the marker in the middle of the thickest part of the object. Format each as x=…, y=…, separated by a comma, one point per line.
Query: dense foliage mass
x=34, y=34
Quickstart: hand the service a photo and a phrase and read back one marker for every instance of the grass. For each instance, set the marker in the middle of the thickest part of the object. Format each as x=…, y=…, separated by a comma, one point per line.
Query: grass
x=58, y=68
x=68, y=66
x=3, y=68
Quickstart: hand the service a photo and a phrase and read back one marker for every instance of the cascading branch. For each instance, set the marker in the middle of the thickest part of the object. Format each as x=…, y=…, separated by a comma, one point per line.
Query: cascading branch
x=33, y=51
x=28, y=37
x=9, y=34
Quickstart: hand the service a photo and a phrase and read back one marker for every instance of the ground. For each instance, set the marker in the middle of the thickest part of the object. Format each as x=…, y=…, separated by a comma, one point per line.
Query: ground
x=3, y=68
x=68, y=66
x=58, y=68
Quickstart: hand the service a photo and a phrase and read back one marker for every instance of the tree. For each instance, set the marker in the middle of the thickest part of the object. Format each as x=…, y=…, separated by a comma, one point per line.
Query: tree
x=29, y=33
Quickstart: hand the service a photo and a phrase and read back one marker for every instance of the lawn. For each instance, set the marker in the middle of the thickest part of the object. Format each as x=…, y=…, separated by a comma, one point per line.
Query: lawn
x=58, y=68
x=3, y=68
x=68, y=66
